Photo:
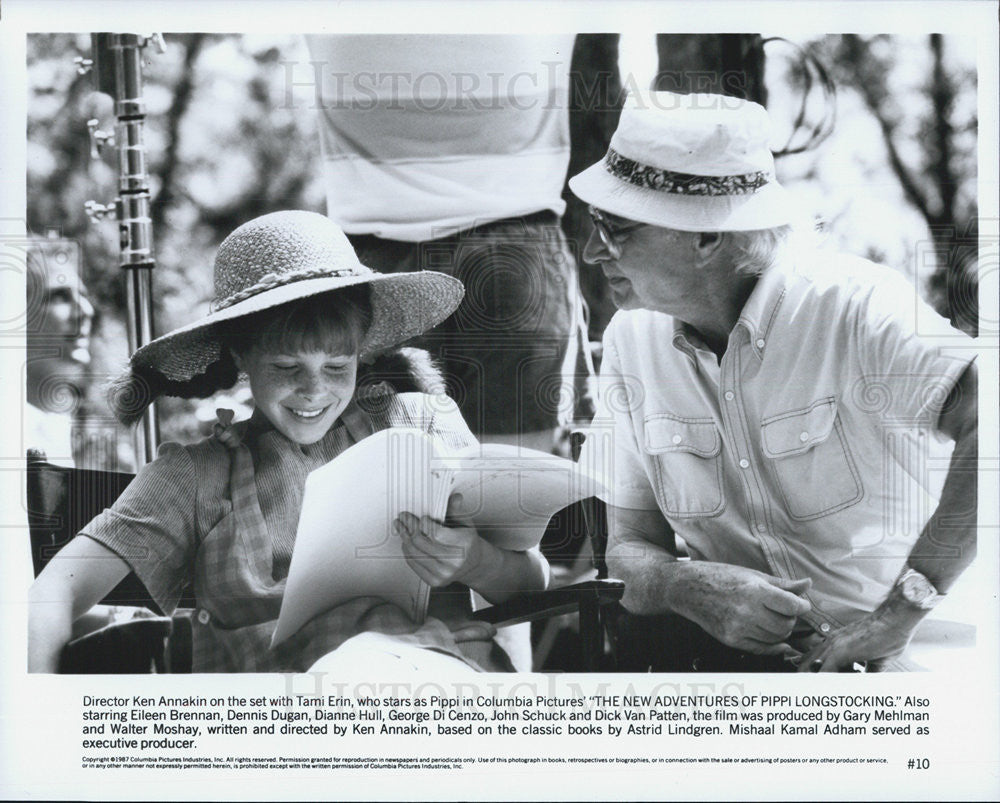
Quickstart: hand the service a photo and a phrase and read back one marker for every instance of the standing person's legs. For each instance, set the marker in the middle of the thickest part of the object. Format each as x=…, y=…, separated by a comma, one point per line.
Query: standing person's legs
x=510, y=351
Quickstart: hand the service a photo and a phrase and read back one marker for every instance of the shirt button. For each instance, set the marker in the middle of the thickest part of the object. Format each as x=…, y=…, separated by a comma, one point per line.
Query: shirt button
x=803, y=436
x=730, y=395
x=204, y=616
x=676, y=439
x=825, y=627
x=760, y=342
x=761, y=527
x=744, y=463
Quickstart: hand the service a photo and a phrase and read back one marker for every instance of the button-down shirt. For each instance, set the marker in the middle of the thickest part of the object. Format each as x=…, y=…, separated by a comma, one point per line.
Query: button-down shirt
x=810, y=450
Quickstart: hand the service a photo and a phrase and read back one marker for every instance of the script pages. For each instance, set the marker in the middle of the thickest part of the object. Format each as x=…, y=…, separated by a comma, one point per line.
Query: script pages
x=345, y=546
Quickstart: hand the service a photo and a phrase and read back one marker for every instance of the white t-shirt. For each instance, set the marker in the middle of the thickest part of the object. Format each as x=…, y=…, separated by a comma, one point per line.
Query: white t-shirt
x=426, y=135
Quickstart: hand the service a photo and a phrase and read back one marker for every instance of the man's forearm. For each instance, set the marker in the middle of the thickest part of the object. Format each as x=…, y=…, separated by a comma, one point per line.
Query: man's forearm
x=634, y=556
x=649, y=573
x=743, y=608
x=947, y=544
x=656, y=582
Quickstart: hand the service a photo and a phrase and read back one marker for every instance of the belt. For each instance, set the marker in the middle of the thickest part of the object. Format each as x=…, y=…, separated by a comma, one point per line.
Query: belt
x=544, y=217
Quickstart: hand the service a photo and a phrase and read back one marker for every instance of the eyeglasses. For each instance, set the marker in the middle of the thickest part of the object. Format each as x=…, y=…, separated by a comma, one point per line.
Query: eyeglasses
x=612, y=235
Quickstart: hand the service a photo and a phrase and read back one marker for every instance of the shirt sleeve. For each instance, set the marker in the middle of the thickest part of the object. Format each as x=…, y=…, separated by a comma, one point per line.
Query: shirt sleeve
x=611, y=450
x=911, y=357
x=152, y=525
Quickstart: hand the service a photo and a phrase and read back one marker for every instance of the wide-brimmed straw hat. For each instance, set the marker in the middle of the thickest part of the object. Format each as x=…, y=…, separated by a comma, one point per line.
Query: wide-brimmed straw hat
x=695, y=162
x=275, y=259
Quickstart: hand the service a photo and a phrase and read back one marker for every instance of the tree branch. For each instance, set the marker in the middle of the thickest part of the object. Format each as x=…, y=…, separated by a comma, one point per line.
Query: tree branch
x=913, y=192
x=870, y=84
x=942, y=97
x=182, y=99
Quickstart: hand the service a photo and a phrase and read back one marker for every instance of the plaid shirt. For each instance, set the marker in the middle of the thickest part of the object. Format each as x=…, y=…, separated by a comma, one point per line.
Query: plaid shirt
x=236, y=539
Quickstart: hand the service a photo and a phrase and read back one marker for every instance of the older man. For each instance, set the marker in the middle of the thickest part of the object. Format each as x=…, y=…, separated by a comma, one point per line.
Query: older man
x=785, y=412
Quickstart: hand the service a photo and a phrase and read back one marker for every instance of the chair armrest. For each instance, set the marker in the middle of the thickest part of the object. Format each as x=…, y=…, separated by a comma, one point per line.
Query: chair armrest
x=552, y=602
x=132, y=647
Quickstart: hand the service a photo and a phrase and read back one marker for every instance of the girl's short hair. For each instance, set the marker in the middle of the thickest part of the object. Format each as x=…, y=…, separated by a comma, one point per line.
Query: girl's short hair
x=334, y=322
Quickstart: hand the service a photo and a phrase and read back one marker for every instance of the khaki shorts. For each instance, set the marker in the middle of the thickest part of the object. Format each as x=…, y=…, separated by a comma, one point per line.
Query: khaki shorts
x=509, y=352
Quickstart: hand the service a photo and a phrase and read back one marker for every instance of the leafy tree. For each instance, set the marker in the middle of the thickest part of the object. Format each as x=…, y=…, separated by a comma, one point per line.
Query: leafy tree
x=923, y=101
x=228, y=139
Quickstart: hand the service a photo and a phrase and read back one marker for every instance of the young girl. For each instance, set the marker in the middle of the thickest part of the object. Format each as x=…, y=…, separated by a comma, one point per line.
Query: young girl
x=300, y=316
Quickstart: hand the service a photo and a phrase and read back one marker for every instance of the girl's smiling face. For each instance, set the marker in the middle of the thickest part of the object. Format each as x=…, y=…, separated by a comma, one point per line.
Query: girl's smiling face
x=302, y=359
x=302, y=393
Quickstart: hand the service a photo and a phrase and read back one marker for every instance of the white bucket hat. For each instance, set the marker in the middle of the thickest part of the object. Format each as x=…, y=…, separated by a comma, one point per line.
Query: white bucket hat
x=694, y=162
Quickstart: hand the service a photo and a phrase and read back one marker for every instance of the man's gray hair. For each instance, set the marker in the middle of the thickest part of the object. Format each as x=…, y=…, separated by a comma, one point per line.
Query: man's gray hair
x=756, y=250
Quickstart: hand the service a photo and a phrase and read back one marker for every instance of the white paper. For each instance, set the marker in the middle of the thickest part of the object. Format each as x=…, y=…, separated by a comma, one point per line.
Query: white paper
x=510, y=494
x=345, y=546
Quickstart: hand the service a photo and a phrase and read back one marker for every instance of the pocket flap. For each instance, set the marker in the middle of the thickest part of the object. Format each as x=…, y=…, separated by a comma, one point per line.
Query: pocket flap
x=668, y=433
x=798, y=431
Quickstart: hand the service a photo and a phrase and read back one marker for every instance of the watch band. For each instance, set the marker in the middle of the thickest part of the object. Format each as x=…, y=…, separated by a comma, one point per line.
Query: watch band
x=917, y=590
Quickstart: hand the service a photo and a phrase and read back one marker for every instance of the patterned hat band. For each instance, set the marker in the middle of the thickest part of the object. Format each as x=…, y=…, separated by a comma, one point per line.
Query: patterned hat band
x=271, y=280
x=681, y=183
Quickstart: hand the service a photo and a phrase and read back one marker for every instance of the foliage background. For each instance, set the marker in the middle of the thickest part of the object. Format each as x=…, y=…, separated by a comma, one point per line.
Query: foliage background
x=229, y=137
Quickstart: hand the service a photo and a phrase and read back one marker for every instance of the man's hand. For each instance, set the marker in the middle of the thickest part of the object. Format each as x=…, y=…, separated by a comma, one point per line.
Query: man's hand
x=440, y=554
x=743, y=608
x=882, y=634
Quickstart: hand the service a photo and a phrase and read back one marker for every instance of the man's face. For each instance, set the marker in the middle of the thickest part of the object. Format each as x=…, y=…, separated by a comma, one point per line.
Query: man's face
x=647, y=267
x=59, y=319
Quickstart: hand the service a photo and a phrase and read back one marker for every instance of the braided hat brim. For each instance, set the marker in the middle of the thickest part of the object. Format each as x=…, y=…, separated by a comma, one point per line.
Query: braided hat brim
x=403, y=305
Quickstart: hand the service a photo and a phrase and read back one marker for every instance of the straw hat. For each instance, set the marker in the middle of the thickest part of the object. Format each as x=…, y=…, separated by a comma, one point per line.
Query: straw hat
x=694, y=162
x=272, y=260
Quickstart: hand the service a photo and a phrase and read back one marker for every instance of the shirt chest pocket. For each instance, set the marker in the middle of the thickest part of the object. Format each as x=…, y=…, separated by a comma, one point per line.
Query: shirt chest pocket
x=811, y=460
x=685, y=456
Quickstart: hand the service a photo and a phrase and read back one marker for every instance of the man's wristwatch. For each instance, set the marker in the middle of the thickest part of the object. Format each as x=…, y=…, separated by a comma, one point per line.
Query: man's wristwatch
x=917, y=590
